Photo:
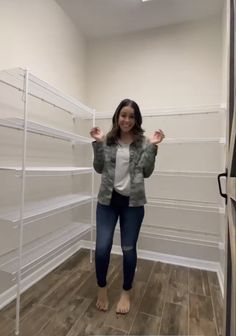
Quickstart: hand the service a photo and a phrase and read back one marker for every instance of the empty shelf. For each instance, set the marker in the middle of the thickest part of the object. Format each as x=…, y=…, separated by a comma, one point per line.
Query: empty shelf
x=44, y=91
x=43, y=249
x=42, y=129
x=168, y=141
x=191, y=174
x=49, y=171
x=36, y=210
x=185, y=205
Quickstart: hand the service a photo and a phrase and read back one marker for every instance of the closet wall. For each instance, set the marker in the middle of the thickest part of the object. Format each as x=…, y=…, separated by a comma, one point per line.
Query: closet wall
x=174, y=66
x=38, y=35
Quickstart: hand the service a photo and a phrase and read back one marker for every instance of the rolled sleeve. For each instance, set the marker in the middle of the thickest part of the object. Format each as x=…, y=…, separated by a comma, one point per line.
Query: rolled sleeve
x=99, y=157
x=148, y=159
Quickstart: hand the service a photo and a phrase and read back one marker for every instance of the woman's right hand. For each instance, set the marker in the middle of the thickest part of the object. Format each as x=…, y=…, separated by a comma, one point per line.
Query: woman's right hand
x=97, y=134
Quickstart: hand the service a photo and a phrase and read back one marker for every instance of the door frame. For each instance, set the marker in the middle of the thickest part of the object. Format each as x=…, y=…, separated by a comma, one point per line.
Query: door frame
x=229, y=327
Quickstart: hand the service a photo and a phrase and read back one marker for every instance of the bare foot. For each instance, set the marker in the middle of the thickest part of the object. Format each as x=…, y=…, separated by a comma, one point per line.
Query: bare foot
x=102, y=300
x=123, y=305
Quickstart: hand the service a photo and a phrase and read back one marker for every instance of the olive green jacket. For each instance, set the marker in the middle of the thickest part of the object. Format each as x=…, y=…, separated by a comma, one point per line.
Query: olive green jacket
x=141, y=165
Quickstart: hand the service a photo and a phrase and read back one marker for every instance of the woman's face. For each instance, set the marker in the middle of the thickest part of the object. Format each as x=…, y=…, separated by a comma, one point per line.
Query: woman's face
x=126, y=120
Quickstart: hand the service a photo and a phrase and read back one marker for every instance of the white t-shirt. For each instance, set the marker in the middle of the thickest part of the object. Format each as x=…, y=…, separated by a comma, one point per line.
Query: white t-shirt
x=122, y=176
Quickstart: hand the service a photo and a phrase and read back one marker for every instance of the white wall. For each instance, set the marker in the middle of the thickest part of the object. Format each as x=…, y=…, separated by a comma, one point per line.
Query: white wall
x=178, y=65
x=40, y=36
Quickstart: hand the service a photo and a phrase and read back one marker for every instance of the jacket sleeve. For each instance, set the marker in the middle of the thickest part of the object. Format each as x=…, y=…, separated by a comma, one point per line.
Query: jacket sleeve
x=99, y=157
x=148, y=159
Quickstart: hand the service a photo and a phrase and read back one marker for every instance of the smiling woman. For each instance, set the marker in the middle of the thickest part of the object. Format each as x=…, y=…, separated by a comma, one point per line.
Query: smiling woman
x=124, y=158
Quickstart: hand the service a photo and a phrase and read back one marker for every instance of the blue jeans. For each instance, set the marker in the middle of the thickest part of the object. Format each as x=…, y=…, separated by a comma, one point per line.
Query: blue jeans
x=130, y=222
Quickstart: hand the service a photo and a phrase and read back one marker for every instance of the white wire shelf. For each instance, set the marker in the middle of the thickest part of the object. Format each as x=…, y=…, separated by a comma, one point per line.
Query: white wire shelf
x=189, y=236
x=185, y=173
x=169, y=141
x=43, y=249
x=157, y=112
x=48, y=171
x=34, y=211
x=38, y=128
x=44, y=91
x=185, y=205
x=182, y=205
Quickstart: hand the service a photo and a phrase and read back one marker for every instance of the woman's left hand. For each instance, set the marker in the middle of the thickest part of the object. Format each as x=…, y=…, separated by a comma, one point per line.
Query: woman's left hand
x=157, y=137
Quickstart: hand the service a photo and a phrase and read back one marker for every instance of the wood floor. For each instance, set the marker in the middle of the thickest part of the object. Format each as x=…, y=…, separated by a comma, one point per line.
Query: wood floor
x=166, y=300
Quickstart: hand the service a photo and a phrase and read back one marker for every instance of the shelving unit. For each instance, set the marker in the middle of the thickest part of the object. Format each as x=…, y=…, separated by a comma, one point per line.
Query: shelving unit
x=185, y=205
x=29, y=255
x=193, y=141
x=37, y=128
x=48, y=171
x=34, y=211
x=44, y=250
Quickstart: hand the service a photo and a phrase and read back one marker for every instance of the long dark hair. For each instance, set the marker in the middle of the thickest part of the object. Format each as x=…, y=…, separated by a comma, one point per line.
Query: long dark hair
x=137, y=130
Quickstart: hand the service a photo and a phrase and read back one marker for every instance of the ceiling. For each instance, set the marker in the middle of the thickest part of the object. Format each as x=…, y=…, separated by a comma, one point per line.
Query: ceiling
x=100, y=18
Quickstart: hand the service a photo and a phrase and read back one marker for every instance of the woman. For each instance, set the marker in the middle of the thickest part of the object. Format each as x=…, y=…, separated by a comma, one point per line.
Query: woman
x=124, y=158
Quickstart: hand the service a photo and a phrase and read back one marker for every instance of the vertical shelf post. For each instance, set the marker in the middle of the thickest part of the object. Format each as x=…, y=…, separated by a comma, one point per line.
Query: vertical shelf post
x=20, y=225
x=92, y=207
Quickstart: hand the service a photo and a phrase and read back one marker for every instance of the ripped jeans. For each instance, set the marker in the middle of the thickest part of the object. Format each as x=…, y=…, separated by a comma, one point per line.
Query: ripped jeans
x=130, y=222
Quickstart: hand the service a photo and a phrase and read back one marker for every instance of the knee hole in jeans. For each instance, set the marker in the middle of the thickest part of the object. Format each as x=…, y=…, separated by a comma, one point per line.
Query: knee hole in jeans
x=127, y=248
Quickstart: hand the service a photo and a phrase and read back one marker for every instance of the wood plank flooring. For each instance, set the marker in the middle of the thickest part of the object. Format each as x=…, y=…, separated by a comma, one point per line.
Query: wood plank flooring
x=166, y=300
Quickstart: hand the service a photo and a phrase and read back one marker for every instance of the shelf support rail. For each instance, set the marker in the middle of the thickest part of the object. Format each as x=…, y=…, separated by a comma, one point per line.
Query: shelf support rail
x=20, y=226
